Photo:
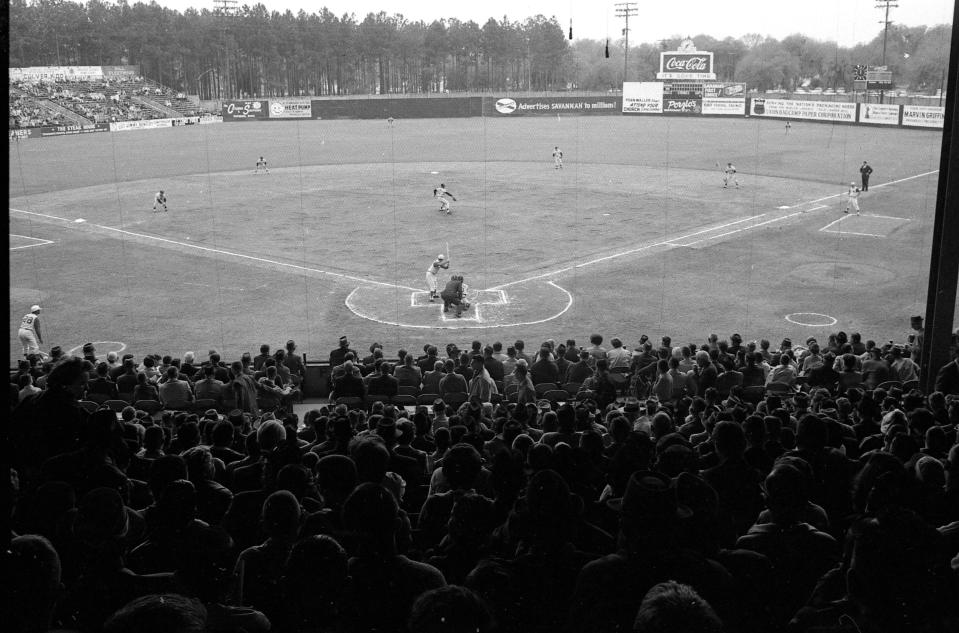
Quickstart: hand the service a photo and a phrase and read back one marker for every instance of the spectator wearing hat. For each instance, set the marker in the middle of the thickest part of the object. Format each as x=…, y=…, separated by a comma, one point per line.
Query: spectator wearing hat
x=384, y=582
x=101, y=384
x=580, y=370
x=338, y=355
x=610, y=590
x=349, y=385
x=544, y=370
x=432, y=378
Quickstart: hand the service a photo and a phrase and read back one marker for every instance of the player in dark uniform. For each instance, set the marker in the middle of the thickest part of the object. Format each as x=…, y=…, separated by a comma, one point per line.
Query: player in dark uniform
x=864, y=171
x=452, y=295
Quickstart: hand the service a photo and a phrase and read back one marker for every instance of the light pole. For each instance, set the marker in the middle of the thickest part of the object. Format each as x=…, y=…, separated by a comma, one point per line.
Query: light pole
x=529, y=70
x=625, y=10
x=885, y=4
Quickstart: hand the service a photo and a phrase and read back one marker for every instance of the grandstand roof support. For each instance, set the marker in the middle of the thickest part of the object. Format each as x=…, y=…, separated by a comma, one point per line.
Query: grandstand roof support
x=944, y=266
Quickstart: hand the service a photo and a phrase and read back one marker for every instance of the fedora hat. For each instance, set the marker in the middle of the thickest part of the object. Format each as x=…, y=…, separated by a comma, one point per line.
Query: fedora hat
x=650, y=496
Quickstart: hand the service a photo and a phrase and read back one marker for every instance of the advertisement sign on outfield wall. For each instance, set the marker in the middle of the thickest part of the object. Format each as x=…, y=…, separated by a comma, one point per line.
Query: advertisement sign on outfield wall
x=245, y=110
x=732, y=106
x=57, y=73
x=792, y=109
x=718, y=91
x=879, y=113
x=58, y=130
x=923, y=116
x=520, y=106
x=292, y=108
x=686, y=65
x=642, y=97
x=682, y=106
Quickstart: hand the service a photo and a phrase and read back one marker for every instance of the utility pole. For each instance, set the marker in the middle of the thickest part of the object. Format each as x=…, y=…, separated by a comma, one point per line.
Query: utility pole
x=625, y=10
x=885, y=4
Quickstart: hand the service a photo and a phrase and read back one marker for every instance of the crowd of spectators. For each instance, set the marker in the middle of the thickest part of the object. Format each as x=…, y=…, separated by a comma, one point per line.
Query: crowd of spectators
x=722, y=486
x=102, y=101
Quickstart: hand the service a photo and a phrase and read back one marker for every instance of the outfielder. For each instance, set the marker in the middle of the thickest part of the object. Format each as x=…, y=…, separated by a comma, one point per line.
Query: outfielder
x=439, y=262
x=261, y=163
x=442, y=194
x=159, y=201
x=30, y=336
x=557, y=158
x=853, y=201
x=729, y=175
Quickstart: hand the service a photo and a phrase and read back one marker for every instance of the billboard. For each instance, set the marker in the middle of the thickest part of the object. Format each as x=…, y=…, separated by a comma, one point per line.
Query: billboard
x=923, y=116
x=291, y=108
x=879, y=78
x=57, y=73
x=58, y=130
x=120, y=72
x=642, y=97
x=145, y=124
x=521, y=106
x=731, y=106
x=798, y=109
x=244, y=110
x=879, y=113
x=719, y=91
x=696, y=65
x=682, y=106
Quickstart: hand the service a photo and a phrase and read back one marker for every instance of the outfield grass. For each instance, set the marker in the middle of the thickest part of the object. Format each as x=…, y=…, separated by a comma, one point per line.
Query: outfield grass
x=636, y=233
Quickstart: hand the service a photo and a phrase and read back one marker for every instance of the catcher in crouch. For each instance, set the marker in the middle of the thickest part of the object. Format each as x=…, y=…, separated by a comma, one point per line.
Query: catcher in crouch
x=443, y=195
x=434, y=269
x=453, y=295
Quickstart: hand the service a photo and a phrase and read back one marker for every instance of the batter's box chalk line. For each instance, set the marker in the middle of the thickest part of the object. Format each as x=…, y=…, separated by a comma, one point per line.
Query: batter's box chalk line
x=526, y=304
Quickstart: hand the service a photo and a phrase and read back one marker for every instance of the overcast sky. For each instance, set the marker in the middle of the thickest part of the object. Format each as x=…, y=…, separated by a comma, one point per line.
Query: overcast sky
x=845, y=21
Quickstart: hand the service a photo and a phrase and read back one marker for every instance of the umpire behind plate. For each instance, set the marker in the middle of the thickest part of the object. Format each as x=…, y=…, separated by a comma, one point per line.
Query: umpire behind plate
x=452, y=295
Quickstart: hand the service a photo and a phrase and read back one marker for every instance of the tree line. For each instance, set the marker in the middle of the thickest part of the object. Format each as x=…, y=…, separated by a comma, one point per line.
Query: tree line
x=258, y=52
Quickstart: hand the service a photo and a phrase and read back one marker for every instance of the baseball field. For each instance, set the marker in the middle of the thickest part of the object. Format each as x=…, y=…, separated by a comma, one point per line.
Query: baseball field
x=635, y=235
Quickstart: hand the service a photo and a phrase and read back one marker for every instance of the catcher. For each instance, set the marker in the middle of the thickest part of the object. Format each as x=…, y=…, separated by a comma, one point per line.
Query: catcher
x=453, y=295
x=442, y=194
x=434, y=269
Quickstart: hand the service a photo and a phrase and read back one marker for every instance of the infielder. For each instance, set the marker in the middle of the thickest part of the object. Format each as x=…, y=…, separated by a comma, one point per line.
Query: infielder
x=261, y=163
x=557, y=158
x=442, y=194
x=729, y=175
x=159, y=201
x=30, y=336
x=434, y=269
x=853, y=201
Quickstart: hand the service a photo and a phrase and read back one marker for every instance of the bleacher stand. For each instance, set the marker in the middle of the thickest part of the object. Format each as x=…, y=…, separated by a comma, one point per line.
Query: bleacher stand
x=710, y=494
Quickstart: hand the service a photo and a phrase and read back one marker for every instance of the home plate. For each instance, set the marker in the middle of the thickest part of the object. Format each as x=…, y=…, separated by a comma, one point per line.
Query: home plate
x=79, y=220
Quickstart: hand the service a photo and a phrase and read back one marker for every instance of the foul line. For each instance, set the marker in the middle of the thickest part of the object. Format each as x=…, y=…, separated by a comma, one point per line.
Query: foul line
x=885, y=184
x=233, y=254
x=39, y=241
x=623, y=253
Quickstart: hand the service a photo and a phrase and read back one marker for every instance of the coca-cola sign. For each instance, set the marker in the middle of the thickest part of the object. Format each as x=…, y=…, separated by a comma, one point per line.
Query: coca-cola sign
x=679, y=65
x=689, y=64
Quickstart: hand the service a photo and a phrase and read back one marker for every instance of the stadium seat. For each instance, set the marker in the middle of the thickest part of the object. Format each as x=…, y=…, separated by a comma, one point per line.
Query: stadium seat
x=89, y=406
x=204, y=404
x=402, y=400
x=455, y=399
x=572, y=388
x=543, y=387
x=427, y=398
x=889, y=384
x=99, y=398
x=779, y=388
x=150, y=406
x=126, y=397
x=909, y=385
x=407, y=391
x=753, y=394
x=117, y=405
x=556, y=396
x=351, y=402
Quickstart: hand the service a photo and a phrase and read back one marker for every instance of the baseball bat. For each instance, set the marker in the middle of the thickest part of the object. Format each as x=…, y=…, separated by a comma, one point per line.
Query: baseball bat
x=447, y=251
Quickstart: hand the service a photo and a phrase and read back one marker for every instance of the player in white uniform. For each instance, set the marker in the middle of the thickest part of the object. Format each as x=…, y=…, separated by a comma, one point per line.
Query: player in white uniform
x=853, y=201
x=30, y=336
x=557, y=158
x=261, y=163
x=159, y=201
x=788, y=126
x=729, y=175
x=434, y=269
x=442, y=194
